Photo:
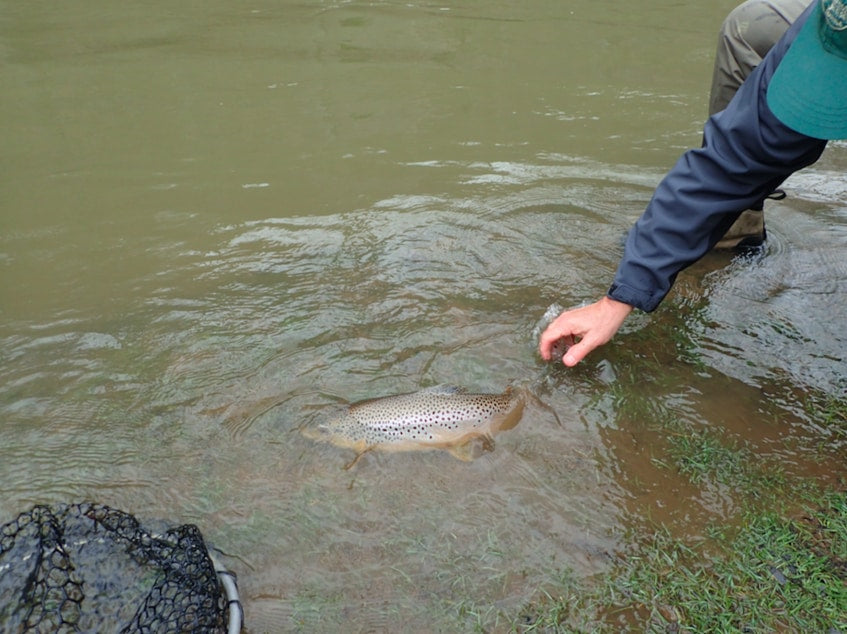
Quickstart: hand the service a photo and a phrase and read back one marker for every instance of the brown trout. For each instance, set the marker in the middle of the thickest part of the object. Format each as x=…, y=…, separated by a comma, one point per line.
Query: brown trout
x=442, y=417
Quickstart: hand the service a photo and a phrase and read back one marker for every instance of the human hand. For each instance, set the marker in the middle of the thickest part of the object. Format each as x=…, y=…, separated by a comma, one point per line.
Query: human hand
x=583, y=329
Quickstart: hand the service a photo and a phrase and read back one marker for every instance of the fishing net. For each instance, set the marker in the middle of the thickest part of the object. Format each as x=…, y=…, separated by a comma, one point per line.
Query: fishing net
x=91, y=568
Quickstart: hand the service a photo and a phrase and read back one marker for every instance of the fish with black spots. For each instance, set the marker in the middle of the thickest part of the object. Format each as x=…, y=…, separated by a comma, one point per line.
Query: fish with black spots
x=442, y=417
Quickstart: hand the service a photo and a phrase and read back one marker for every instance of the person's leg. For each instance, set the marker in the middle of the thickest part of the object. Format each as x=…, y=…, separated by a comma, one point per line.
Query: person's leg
x=746, y=36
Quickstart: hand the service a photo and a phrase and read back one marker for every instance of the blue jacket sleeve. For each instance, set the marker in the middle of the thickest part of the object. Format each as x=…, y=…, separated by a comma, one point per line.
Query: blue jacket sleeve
x=746, y=154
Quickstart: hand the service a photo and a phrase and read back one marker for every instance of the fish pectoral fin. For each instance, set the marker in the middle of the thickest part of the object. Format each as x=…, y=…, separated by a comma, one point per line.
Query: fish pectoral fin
x=353, y=462
x=472, y=448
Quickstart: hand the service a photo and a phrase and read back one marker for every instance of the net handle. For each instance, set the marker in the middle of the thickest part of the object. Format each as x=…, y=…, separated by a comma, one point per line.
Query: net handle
x=236, y=611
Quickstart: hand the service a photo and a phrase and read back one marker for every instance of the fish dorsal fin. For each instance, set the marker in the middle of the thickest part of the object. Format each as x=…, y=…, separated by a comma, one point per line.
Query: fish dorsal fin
x=445, y=390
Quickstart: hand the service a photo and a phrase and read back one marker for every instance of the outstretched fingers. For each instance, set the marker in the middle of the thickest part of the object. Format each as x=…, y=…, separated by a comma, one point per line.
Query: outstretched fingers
x=579, y=331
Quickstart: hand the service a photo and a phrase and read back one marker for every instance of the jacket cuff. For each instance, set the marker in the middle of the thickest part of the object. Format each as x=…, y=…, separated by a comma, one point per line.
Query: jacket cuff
x=634, y=297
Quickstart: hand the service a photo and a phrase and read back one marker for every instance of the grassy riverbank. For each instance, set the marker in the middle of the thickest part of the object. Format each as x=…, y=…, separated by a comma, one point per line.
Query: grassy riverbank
x=779, y=565
x=773, y=573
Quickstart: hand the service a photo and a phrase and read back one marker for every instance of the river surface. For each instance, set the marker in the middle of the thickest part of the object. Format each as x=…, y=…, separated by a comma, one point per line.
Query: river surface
x=222, y=221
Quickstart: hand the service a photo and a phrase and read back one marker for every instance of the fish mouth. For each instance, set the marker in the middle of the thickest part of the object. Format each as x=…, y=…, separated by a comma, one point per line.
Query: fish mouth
x=315, y=432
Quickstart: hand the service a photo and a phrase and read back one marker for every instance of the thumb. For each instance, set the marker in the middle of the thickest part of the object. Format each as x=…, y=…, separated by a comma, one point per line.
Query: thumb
x=577, y=352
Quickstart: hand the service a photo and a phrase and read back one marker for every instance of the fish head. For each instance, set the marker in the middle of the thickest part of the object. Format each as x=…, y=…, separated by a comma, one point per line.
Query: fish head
x=320, y=432
x=337, y=431
x=324, y=430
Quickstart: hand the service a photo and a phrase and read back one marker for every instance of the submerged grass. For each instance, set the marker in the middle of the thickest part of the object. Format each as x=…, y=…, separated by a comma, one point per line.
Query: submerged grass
x=831, y=411
x=703, y=456
x=773, y=574
x=779, y=565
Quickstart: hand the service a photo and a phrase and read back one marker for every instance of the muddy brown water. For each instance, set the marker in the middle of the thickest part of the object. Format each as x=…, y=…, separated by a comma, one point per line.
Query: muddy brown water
x=222, y=221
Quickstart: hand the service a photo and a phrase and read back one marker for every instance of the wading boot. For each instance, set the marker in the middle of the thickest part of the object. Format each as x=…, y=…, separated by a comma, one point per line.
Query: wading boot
x=746, y=232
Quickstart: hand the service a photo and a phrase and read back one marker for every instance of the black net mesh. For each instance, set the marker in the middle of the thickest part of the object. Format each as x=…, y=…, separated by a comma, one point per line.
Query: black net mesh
x=90, y=568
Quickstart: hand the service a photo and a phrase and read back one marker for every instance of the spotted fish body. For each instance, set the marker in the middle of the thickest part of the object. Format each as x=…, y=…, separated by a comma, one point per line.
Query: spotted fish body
x=443, y=417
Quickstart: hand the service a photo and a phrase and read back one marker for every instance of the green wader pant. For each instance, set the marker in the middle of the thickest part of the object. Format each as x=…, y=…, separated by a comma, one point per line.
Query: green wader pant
x=746, y=36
